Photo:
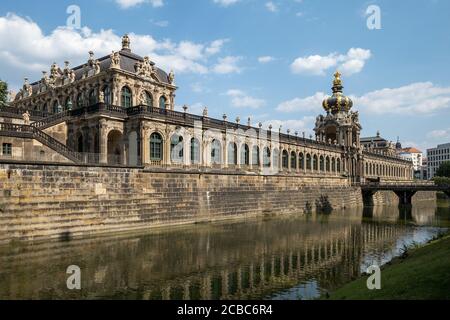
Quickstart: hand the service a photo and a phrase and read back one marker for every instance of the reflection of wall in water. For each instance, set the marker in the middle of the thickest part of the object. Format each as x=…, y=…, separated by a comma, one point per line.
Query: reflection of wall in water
x=249, y=260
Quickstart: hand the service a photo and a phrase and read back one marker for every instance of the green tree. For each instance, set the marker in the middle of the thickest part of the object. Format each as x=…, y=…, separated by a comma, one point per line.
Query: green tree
x=3, y=92
x=444, y=170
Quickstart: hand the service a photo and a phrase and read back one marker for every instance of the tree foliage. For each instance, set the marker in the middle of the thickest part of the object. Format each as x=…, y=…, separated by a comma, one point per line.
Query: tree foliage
x=444, y=170
x=3, y=92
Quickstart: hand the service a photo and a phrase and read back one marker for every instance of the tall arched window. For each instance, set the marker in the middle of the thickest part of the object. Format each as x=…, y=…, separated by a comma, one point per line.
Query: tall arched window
x=338, y=165
x=301, y=161
x=245, y=155
x=216, y=154
x=126, y=98
x=285, y=159
x=276, y=158
x=293, y=160
x=107, y=94
x=327, y=164
x=162, y=102
x=92, y=97
x=148, y=99
x=68, y=104
x=80, y=102
x=333, y=164
x=195, y=151
x=55, y=107
x=266, y=157
x=232, y=153
x=308, y=162
x=315, y=163
x=322, y=164
x=156, y=147
x=176, y=149
x=255, y=156
x=44, y=107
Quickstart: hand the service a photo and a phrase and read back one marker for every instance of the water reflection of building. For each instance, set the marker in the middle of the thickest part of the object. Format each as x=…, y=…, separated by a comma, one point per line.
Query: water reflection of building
x=232, y=261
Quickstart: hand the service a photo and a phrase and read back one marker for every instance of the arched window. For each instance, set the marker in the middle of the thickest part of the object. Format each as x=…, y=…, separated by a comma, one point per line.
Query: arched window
x=216, y=154
x=276, y=158
x=195, y=151
x=315, y=163
x=126, y=98
x=56, y=108
x=266, y=157
x=285, y=159
x=245, y=155
x=338, y=165
x=44, y=107
x=293, y=160
x=162, y=102
x=148, y=99
x=80, y=101
x=322, y=164
x=308, y=162
x=68, y=104
x=176, y=149
x=301, y=161
x=333, y=164
x=107, y=94
x=327, y=164
x=156, y=147
x=232, y=153
x=255, y=156
x=92, y=97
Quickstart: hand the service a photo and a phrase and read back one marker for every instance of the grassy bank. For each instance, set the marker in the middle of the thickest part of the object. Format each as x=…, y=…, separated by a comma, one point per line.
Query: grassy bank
x=422, y=273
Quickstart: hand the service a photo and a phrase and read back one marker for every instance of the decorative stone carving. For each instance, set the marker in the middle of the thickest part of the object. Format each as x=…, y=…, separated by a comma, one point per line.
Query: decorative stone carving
x=145, y=69
x=143, y=98
x=27, y=90
x=26, y=118
x=101, y=97
x=171, y=77
x=115, y=60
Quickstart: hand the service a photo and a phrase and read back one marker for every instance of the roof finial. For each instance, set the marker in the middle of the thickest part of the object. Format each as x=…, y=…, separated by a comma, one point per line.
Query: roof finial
x=126, y=43
x=337, y=79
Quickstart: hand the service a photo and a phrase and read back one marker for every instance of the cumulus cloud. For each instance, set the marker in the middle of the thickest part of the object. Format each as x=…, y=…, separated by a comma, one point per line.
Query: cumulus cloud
x=300, y=125
x=125, y=4
x=33, y=51
x=271, y=6
x=229, y=64
x=439, y=134
x=312, y=103
x=350, y=63
x=265, y=59
x=415, y=98
x=241, y=100
x=226, y=3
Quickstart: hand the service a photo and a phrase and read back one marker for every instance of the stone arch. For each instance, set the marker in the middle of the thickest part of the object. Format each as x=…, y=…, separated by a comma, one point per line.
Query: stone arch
x=156, y=146
x=309, y=165
x=285, y=159
x=126, y=97
x=232, y=153
x=293, y=160
x=267, y=157
x=245, y=154
x=115, y=147
x=255, y=156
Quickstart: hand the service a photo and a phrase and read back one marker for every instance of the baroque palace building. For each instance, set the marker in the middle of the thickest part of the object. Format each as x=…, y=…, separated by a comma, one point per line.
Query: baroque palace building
x=119, y=110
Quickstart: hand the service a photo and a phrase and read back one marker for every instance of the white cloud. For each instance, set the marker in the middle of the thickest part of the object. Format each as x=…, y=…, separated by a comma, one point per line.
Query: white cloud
x=312, y=103
x=271, y=6
x=265, y=59
x=227, y=65
x=300, y=125
x=226, y=3
x=33, y=51
x=439, y=134
x=416, y=98
x=350, y=63
x=125, y=4
x=241, y=100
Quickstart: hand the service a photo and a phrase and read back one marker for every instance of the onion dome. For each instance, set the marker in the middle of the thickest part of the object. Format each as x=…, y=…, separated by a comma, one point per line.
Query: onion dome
x=338, y=102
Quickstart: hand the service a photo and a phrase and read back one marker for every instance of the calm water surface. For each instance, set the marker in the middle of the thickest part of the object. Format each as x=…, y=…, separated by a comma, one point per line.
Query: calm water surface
x=269, y=258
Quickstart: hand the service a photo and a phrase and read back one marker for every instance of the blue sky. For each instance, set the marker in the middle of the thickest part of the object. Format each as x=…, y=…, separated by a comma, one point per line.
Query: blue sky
x=270, y=60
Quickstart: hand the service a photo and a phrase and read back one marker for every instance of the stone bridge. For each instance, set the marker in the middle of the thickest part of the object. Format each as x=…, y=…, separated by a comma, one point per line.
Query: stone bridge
x=404, y=191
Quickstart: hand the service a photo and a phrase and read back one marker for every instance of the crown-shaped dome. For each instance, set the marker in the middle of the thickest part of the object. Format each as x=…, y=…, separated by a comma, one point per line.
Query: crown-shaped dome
x=338, y=102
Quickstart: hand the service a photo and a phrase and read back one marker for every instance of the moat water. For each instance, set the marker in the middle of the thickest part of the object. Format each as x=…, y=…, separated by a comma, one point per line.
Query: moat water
x=294, y=257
